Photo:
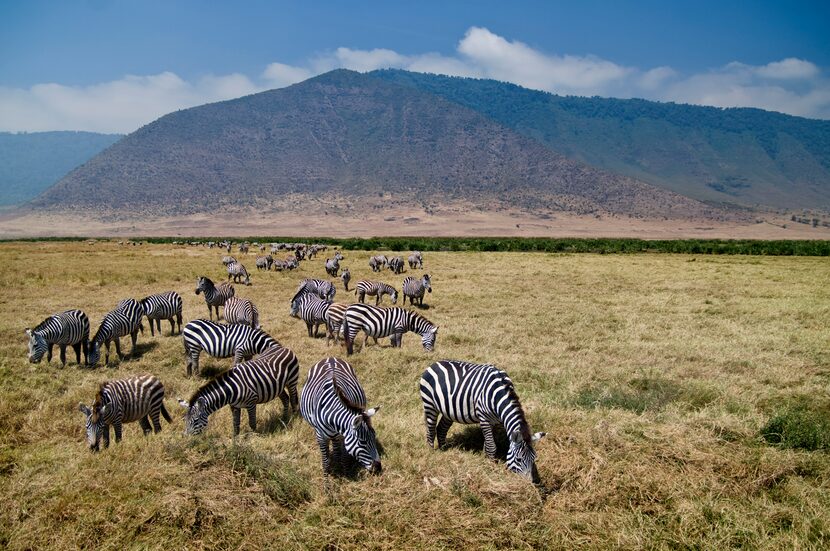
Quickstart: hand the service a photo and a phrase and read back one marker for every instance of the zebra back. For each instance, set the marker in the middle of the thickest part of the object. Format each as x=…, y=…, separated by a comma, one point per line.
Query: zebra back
x=162, y=305
x=241, y=310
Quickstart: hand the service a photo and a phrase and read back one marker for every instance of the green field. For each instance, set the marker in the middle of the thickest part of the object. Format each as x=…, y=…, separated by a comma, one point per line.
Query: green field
x=685, y=399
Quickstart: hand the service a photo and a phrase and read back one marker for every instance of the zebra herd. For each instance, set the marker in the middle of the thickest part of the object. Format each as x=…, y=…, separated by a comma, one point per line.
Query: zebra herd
x=332, y=400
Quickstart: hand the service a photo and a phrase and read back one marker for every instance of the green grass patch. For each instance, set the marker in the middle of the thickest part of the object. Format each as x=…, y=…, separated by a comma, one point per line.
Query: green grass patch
x=799, y=426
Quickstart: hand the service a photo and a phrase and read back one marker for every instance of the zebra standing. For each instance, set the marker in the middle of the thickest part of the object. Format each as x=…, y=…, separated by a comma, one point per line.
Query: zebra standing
x=320, y=287
x=416, y=260
x=375, y=289
x=124, y=320
x=163, y=306
x=468, y=393
x=237, y=271
x=222, y=341
x=264, y=262
x=334, y=404
x=69, y=328
x=396, y=265
x=312, y=310
x=334, y=321
x=386, y=322
x=346, y=276
x=241, y=310
x=272, y=374
x=215, y=295
x=414, y=289
x=138, y=398
x=378, y=262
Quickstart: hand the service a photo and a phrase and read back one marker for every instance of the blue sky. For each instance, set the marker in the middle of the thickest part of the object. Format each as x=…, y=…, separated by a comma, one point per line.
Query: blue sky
x=115, y=65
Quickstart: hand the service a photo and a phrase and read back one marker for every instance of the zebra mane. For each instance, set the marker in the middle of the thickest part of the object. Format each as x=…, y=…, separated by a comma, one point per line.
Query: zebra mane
x=202, y=390
x=208, y=282
x=42, y=324
x=343, y=398
x=415, y=316
x=524, y=428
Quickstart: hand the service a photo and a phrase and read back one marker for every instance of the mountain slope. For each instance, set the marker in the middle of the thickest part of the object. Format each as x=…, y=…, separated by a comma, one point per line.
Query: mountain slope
x=352, y=135
x=31, y=162
x=745, y=156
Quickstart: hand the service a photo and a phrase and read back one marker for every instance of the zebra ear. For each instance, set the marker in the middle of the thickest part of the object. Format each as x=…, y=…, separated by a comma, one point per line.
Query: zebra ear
x=515, y=437
x=184, y=404
x=83, y=409
x=538, y=436
x=372, y=411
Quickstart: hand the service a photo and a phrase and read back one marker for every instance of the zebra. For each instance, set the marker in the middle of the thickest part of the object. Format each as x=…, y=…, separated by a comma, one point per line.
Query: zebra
x=69, y=328
x=241, y=310
x=312, y=310
x=346, y=276
x=222, y=341
x=396, y=265
x=334, y=321
x=332, y=267
x=385, y=322
x=264, y=262
x=468, y=393
x=124, y=320
x=237, y=271
x=228, y=259
x=378, y=262
x=334, y=404
x=215, y=295
x=279, y=265
x=272, y=374
x=163, y=306
x=243, y=248
x=320, y=287
x=139, y=398
x=414, y=289
x=416, y=260
x=375, y=289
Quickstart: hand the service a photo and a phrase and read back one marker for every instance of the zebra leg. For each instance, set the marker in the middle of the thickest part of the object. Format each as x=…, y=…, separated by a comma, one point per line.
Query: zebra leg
x=293, y=397
x=145, y=425
x=107, y=354
x=77, y=349
x=323, y=443
x=63, y=355
x=365, y=338
x=210, y=312
x=117, y=427
x=153, y=329
x=308, y=325
x=286, y=406
x=237, y=412
x=134, y=337
x=443, y=428
x=154, y=417
x=339, y=452
x=106, y=435
x=430, y=421
x=118, y=349
x=172, y=327
x=179, y=322
x=252, y=417
x=49, y=353
x=489, y=441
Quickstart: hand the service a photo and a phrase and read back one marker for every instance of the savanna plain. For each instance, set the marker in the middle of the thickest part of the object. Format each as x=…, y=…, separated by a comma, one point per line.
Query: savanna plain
x=665, y=384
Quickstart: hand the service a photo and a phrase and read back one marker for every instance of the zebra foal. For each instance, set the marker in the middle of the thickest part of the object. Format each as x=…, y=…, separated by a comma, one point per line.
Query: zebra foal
x=69, y=328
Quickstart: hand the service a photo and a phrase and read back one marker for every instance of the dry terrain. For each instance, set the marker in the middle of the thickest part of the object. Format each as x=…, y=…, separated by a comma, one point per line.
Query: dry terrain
x=652, y=374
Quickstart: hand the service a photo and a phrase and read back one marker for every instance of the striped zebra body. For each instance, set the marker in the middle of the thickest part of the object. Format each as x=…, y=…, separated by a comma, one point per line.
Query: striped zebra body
x=385, y=322
x=241, y=310
x=346, y=277
x=163, y=306
x=332, y=266
x=264, y=262
x=215, y=295
x=312, y=310
x=237, y=271
x=228, y=259
x=396, y=265
x=319, y=287
x=415, y=288
x=468, y=393
x=124, y=320
x=272, y=374
x=122, y=401
x=334, y=404
x=334, y=321
x=375, y=289
x=222, y=341
x=378, y=262
x=416, y=260
x=69, y=328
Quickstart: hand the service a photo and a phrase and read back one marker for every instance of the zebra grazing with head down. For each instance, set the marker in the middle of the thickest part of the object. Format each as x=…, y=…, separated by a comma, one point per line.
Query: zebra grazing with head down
x=215, y=295
x=228, y=259
x=241, y=310
x=468, y=393
x=264, y=262
x=70, y=328
x=334, y=321
x=138, y=398
x=378, y=262
x=124, y=320
x=320, y=287
x=237, y=271
x=375, y=289
x=163, y=306
x=385, y=322
x=396, y=265
x=416, y=260
x=222, y=341
x=334, y=404
x=272, y=374
x=415, y=288
x=346, y=276
x=311, y=309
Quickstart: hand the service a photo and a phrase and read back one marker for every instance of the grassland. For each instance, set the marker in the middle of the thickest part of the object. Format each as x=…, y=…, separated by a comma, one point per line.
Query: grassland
x=655, y=376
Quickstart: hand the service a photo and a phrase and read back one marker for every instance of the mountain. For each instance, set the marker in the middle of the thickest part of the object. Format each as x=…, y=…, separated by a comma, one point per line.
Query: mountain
x=31, y=162
x=742, y=156
x=355, y=136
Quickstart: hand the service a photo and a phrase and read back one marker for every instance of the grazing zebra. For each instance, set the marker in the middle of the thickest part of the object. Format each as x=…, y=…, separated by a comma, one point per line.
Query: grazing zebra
x=237, y=271
x=414, y=289
x=320, y=287
x=163, y=306
x=334, y=404
x=222, y=341
x=272, y=374
x=124, y=320
x=241, y=310
x=264, y=262
x=378, y=262
x=416, y=260
x=228, y=259
x=396, y=265
x=385, y=322
x=215, y=295
x=311, y=309
x=139, y=398
x=334, y=321
x=468, y=393
x=346, y=276
x=70, y=328
x=375, y=289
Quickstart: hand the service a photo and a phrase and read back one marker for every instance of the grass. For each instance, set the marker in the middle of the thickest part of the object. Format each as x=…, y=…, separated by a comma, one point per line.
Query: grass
x=659, y=381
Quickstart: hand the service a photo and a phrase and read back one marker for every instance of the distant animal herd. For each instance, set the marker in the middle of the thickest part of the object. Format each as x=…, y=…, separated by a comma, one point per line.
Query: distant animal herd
x=332, y=400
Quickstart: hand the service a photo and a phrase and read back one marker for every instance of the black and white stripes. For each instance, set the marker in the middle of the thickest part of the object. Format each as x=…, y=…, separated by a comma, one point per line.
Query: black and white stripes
x=311, y=309
x=69, y=328
x=163, y=306
x=215, y=295
x=385, y=322
x=238, y=272
x=241, y=310
x=124, y=320
x=320, y=287
x=414, y=289
x=222, y=341
x=375, y=289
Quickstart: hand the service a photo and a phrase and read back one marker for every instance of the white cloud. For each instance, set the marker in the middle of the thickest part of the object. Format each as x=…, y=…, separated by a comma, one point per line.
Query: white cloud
x=790, y=85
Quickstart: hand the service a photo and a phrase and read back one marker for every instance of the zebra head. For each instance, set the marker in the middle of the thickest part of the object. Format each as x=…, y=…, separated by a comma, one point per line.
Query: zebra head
x=94, y=423
x=295, y=308
x=93, y=353
x=37, y=346
x=202, y=284
x=428, y=338
x=521, y=457
x=360, y=441
x=338, y=256
x=427, y=283
x=394, y=296
x=196, y=416
x=328, y=293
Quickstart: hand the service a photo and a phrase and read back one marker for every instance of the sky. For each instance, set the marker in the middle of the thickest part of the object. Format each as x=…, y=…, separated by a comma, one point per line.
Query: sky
x=115, y=65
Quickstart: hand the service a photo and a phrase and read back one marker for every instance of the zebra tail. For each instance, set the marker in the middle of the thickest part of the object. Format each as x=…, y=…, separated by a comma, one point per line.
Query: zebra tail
x=344, y=328
x=165, y=414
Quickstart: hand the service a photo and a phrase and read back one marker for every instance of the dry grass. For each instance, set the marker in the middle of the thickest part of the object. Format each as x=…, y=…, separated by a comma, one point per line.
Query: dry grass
x=652, y=374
